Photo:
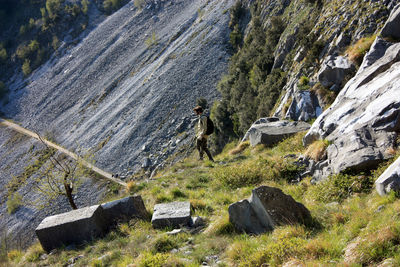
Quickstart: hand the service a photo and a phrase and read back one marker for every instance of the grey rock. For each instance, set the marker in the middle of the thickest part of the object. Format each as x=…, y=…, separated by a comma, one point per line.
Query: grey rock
x=333, y=70
x=389, y=179
x=272, y=132
x=74, y=227
x=175, y=232
x=125, y=209
x=392, y=26
x=377, y=51
x=283, y=49
x=75, y=259
x=380, y=208
x=146, y=163
x=304, y=106
x=197, y=222
x=267, y=208
x=173, y=214
x=362, y=122
x=343, y=40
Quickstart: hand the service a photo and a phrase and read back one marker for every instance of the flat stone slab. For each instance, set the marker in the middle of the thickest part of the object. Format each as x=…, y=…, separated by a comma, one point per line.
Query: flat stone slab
x=270, y=133
x=125, y=209
x=74, y=227
x=174, y=214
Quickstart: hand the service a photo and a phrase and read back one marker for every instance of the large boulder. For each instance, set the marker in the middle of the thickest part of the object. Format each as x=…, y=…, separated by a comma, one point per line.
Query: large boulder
x=389, y=179
x=391, y=29
x=267, y=208
x=333, y=71
x=362, y=122
x=125, y=209
x=74, y=227
x=269, y=133
x=174, y=214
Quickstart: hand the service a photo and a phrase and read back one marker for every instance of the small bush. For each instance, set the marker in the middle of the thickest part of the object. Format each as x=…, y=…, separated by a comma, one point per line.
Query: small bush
x=3, y=54
x=239, y=148
x=164, y=244
x=357, y=51
x=111, y=5
x=221, y=226
x=148, y=259
x=277, y=252
x=13, y=203
x=237, y=176
x=140, y=4
x=340, y=186
x=177, y=193
x=304, y=80
x=14, y=255
x=327, y=96
x=85, y=6
x=33, y=253
x=379, y=245
x=26, y=67
x=152, y=40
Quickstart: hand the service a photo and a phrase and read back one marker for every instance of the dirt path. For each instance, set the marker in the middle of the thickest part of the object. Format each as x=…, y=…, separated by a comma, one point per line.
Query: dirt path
x=61, y=149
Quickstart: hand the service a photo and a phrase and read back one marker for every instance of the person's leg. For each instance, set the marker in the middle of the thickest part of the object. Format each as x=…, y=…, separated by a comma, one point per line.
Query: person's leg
x=205, y=148
x=199, y=145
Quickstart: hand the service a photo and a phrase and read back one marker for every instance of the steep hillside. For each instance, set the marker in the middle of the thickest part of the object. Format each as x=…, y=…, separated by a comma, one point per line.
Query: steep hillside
x=126, y=91
x=122, y=92
x=352, y=224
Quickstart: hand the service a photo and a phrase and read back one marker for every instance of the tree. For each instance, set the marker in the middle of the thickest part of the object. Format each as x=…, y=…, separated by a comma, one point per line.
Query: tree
x=53, y=7
x=85, y=6
x=3, y=54
x=26, y=67
x=62, y=177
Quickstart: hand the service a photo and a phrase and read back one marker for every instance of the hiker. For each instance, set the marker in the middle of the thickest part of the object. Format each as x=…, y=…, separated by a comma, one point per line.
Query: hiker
x=201, y=135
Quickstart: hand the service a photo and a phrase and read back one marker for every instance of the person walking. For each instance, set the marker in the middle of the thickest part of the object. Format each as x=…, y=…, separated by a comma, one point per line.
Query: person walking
x=201, y=133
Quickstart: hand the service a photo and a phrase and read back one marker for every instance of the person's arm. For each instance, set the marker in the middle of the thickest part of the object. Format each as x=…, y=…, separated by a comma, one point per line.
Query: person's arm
x=203, y=126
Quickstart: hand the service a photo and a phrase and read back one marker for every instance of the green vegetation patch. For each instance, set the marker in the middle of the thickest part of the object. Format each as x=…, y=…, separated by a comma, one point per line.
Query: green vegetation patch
x=18, y=181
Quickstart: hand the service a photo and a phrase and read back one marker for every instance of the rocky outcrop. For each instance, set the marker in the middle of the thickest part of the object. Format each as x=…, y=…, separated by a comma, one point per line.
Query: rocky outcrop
x=391, y=28
x=269, y=133
x=267, y=208
x=74, y=227
x=333, y=71
x=389, y=180
x=363, y=122
x=175, y=214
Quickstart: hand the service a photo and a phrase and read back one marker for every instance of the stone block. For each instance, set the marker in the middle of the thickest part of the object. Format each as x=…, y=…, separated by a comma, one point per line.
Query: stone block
x=74, y=227
x=125, y=209
x=267, y=208
x=175, y=214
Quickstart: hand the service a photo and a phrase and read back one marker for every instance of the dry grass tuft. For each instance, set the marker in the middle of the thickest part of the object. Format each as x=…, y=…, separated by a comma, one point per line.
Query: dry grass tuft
x=239, y=148
x=357, y=51
x=317, y=150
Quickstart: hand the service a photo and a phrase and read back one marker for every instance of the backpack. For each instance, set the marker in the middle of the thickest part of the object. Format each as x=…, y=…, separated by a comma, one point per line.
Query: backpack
x=210, y=126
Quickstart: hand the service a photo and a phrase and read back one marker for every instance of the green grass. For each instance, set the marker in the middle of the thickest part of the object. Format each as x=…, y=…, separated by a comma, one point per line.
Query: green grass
x=344, y=208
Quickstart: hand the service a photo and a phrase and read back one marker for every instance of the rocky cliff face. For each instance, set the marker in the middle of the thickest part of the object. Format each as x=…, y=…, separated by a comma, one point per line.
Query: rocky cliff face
x=364, y=121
